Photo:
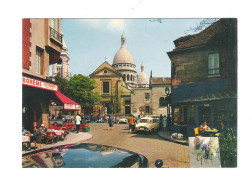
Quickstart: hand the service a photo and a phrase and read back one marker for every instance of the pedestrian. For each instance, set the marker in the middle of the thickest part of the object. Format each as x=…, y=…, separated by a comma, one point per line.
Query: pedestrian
x=164, y=121
x=77, y=122
x=131, y=124
x=110, y=121
x=161, y=122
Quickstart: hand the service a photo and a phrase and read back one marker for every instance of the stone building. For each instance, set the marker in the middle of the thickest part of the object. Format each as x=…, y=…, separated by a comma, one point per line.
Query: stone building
x=204, y=78
x=63, y=67
x=124, y=63
x=113, y=90
x=127, y=92
x=42, y=44
x=158, y=95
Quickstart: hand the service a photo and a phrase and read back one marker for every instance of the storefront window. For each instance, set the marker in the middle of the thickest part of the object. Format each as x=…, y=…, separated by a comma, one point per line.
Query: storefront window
x=220, y=114
x=176, y=114
x=204, y=113
x=191, y=115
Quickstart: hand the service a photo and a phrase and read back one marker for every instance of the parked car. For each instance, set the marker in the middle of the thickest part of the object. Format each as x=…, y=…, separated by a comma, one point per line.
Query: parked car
x=123, y=120
x=147, y=124
x=101, y=119
x=88, y=118
x=62, y=119
x=83, y=155
x=156, y=119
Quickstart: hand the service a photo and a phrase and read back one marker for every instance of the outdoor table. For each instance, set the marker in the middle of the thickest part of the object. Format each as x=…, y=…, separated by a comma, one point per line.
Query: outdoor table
x=58, y=133
x=25, y=138
x=210, y=132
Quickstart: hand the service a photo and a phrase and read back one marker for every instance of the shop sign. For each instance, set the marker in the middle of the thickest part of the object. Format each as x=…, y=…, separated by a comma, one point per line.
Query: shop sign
x=72, y=107
x=56, y=107
x=39, y=84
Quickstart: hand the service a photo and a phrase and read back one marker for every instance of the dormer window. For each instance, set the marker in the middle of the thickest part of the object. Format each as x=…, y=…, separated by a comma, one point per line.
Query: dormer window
x=105, y=71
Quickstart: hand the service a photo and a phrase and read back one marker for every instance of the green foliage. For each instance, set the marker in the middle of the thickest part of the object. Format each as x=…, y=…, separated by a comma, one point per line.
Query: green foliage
x=80, y=89
x=228, y=149
x=62, y=84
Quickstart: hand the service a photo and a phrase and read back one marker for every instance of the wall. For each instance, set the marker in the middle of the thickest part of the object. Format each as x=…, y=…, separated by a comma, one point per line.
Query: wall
x=157, y=93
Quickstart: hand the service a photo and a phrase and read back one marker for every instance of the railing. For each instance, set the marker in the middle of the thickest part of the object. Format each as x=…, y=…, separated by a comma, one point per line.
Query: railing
x=56, y=34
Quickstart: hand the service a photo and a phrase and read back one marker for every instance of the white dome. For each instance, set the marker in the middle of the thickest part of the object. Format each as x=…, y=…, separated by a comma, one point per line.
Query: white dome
x=142, y=78
x=123, y=55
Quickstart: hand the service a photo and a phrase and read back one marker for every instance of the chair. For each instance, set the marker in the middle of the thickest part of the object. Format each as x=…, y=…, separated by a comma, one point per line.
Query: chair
x=196, y=132
x=50, y=136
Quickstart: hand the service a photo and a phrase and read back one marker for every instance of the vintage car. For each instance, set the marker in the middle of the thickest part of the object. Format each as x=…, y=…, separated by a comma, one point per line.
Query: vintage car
x=83, y=155
x=123, y=120
x=147, y=124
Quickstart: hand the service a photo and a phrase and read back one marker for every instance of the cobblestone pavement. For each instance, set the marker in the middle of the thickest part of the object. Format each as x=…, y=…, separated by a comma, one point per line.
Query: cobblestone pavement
x=151, y=146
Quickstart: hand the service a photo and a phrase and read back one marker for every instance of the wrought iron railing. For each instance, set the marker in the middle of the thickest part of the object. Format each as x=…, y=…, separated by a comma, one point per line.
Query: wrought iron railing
x=56, y=35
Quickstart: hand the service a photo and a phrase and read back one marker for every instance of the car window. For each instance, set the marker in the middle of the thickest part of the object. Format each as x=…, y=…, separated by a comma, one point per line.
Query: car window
x=145, y=120
x=156, y=120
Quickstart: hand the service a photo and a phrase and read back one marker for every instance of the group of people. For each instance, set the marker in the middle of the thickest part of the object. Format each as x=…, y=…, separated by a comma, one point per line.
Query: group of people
x=35, y=136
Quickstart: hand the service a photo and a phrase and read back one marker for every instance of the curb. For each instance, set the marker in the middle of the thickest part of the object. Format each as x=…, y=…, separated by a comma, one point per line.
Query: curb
x=175, y=141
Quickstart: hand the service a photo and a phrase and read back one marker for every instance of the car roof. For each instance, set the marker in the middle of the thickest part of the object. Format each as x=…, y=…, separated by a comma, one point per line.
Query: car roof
x=147, y=118
x=80, y=156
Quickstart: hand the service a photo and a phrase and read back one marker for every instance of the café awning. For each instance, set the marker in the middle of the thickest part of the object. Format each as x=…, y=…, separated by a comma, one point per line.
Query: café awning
x=67, y=102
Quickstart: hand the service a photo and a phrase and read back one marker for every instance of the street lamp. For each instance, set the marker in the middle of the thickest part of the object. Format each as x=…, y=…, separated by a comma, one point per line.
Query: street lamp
x=168, y=101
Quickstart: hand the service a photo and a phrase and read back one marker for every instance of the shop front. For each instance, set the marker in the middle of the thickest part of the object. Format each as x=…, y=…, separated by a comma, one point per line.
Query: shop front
x=62, y=105
x=41, y=100
x=35, y=101
x=216, y=109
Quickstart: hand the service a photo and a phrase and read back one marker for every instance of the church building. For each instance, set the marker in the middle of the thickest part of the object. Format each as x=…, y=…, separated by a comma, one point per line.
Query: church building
x=125, y=92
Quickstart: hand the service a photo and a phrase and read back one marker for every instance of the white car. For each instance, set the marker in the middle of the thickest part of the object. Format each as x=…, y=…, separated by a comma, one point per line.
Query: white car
x=123, y=120
x=147, y=124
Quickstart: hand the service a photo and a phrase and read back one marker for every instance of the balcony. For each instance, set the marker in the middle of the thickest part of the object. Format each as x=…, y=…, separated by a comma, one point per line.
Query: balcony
x=56, y=35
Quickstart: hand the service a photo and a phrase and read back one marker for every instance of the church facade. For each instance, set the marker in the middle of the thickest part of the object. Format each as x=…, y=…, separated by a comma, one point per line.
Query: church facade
x=125, y=92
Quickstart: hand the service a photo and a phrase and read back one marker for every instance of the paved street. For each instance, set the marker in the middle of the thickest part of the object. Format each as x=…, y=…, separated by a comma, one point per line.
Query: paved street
x=151, y=146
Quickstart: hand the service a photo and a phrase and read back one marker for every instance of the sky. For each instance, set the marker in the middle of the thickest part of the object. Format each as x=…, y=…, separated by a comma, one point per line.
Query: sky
x=92, y=41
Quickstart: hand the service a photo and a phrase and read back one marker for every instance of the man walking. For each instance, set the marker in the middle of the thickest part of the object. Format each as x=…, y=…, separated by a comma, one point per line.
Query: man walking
x=131, y=124
x=77, y=122
x=110, y=121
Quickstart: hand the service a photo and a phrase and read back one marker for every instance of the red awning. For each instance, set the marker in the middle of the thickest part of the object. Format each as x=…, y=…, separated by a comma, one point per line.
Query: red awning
x=68, y=103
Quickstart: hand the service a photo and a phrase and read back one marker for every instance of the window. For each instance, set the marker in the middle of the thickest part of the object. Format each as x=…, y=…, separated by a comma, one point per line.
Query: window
x=105, y=87
x=127, y=77
x=213, y=64
x=127, y=102
x=147, y=109
x=147, y=96
x=162, y=102
x=131, y=77
x=59, y=70
x=55, y=24
x=39, y=53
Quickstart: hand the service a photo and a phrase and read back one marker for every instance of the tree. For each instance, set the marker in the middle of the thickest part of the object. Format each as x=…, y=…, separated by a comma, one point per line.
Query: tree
x=81, y=90
x=62, y=84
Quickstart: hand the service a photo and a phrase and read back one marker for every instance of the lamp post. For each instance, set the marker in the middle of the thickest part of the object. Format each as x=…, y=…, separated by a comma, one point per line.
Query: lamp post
x=168, y=101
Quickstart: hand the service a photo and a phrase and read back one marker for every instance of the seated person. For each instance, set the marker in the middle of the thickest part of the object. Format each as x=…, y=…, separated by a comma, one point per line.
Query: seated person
x=42, y=129
x=25, y=132
x=204, y=127
x=33, y=137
